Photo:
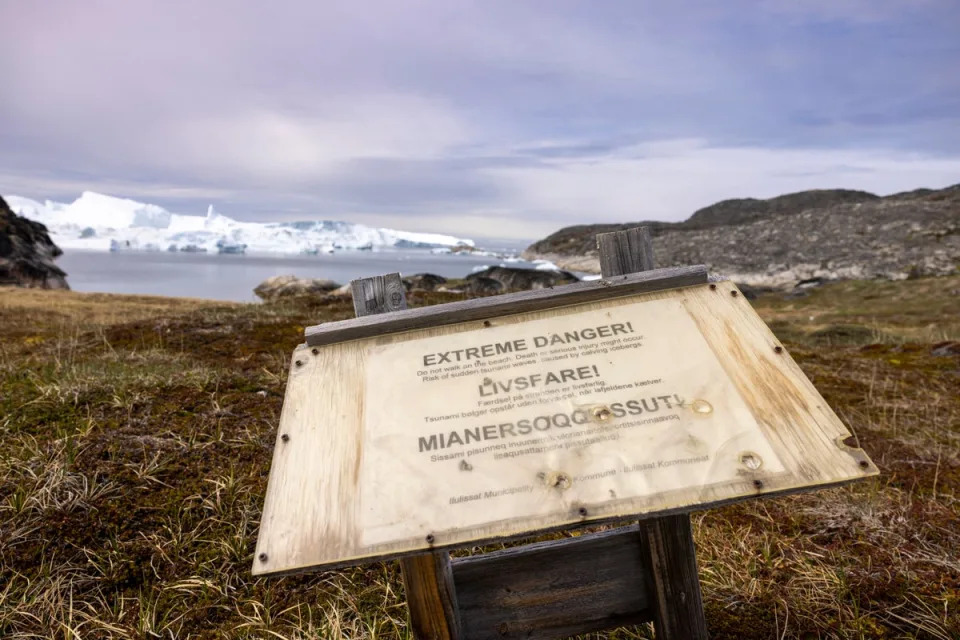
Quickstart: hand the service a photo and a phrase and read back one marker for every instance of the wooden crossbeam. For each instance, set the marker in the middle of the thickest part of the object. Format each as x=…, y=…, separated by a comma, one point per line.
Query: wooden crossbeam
x=554, y=589
x=371, y=323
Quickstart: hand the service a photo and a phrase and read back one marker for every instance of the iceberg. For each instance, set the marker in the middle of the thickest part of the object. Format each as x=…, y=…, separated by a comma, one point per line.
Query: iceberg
x=101, y=222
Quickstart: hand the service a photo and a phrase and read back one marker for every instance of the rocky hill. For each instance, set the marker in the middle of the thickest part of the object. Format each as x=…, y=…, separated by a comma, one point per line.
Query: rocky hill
x=828, y=234
x=27, y=253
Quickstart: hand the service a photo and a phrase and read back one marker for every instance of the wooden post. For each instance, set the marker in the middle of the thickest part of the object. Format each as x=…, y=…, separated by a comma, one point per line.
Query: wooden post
x=671, y=562
x=668, y=549
x=379, y=294
x=623, y=252
x=427, y=577
x=431, y=596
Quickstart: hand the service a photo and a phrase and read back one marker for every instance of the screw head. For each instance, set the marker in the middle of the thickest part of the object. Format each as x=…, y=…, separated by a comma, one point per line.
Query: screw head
x=758, y=484
x=864, y=464
x=701, y=407
x=430, y=538
x=582, y=511
x=778, y=349
x=285, y=437
x=314, y=351
x=299, y=363
x=486, y=323
x=602, y=414
x=559, y=481
x=713, y=287
x=734, y=293
x=262, y=557
x=751, y=461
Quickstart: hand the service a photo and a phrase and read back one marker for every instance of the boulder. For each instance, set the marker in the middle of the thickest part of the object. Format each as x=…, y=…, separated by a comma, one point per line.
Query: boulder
x=423, y=282
x=282, y=287
x=514, y=279
x=483, y=286
x=27, y=253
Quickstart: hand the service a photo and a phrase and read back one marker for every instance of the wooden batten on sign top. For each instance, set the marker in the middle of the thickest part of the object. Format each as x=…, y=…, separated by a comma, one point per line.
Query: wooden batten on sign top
x=491, y=419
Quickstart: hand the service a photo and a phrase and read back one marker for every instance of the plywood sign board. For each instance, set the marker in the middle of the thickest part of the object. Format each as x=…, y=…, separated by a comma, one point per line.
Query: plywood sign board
x=451, y=435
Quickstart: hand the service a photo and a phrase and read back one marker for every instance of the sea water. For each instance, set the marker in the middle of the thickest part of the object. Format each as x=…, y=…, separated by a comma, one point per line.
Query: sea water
x=233, y=277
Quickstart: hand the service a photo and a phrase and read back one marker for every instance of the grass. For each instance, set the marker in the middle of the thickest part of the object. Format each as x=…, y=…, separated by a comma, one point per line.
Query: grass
x=137, y=434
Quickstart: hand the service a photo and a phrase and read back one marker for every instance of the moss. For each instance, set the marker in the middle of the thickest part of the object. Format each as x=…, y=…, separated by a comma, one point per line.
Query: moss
x=843, y=334
x=136, y=453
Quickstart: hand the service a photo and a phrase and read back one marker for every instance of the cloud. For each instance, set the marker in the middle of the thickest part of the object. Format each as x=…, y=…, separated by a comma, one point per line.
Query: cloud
x=669, y=180
x=62, y=188
x=493, y=118
x=849, y=11
x=282, y=149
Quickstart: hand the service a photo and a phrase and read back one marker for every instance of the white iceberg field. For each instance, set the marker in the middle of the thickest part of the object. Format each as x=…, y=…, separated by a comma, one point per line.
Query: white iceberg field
x=100, y=222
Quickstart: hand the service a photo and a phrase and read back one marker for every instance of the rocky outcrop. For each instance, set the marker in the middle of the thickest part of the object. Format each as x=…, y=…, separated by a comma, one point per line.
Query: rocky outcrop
x=744, y=210
x=423, y=282
x=827, y=235
x=512, y=279
x=285, y=287
x=27, y=253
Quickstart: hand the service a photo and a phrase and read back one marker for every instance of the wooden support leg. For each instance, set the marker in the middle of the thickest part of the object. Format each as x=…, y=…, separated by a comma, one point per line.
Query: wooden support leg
x=668, y=548
x=431, y=596
x=427, y=578
x=673, y=581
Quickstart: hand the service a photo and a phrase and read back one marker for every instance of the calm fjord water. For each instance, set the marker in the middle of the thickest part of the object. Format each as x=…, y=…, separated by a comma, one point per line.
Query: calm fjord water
x=233, y=277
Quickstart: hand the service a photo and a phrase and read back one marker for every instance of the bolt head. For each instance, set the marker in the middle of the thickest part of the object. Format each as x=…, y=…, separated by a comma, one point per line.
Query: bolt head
x=262, y=557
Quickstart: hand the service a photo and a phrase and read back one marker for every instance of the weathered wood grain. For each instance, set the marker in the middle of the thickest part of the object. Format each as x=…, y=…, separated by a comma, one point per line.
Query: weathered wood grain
x=311, y=510
x=623, y=252
x=378, y=295
x=667, y=543
x=427, y=577
x=554, y=589
x=670, y=561
x=431, y=596
x=507, y=304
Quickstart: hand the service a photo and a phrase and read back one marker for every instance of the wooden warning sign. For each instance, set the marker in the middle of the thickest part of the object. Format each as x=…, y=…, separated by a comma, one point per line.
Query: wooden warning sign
x=600, y=401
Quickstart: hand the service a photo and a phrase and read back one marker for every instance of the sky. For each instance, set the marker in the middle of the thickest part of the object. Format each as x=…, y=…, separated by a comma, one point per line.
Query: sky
x=491, y=118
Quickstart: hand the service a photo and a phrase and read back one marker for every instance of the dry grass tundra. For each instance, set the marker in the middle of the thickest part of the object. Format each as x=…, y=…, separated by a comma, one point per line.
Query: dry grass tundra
x=137, y=432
